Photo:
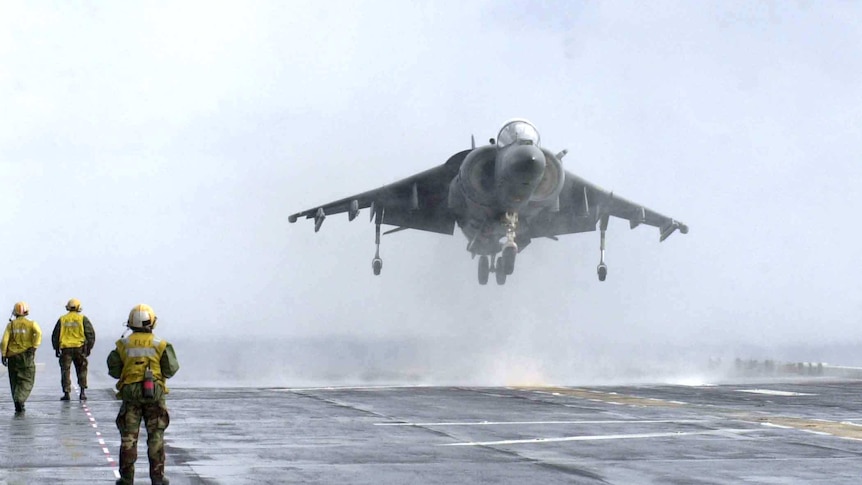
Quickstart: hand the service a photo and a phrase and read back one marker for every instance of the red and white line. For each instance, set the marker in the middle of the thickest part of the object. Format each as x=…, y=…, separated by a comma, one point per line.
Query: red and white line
x=112, y=463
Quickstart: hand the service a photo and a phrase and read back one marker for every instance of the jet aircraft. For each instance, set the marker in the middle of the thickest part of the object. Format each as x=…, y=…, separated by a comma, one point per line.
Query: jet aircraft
x=502, y=196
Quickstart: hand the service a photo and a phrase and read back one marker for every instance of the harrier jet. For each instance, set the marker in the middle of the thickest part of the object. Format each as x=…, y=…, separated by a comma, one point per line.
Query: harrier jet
x=502, y=196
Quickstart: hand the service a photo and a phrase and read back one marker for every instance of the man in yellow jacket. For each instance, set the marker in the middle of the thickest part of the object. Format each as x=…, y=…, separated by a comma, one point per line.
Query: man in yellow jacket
x=73, y=338
x=20, y=340
x=142, y=362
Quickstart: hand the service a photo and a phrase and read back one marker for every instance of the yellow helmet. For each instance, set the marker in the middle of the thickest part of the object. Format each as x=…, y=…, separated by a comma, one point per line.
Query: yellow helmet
x=142, y=317
x=74, y=305
x=21, y=309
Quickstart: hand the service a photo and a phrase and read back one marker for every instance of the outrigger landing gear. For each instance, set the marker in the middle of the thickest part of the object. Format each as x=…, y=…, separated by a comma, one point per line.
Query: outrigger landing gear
x=377, y=262
x=602, y=269
x=510, y=248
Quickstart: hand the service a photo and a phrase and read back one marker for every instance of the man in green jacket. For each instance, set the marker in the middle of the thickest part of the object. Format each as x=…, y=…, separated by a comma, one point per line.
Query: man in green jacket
x=142, y=362
x=18, y=349
x=73, y=339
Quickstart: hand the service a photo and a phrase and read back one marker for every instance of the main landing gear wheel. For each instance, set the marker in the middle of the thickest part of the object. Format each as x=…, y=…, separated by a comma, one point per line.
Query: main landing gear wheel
x=484, y=270
x=508, y=258
x=500, y=273
x=603, y=271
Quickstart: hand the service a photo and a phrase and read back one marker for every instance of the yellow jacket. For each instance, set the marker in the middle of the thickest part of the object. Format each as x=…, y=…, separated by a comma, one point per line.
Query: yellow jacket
x=73, y=330
x=21, y=334
x=139, y=351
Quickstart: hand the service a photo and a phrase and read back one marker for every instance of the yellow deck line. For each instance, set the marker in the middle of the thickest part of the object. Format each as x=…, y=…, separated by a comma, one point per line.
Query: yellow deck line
x=833, y=428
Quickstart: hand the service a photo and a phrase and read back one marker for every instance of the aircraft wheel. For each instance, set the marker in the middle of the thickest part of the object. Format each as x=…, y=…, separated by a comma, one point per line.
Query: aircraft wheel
x=484, y=270
x=499, y=274
x=508, y=259
x=377, y=265
x=603, y=272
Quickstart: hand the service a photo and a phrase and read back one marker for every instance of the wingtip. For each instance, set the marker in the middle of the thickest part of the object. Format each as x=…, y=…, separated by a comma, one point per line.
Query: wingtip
x=666, y=231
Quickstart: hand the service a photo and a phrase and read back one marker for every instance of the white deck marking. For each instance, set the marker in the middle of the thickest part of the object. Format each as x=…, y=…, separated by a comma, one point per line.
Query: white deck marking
x=719, y=432
x=521, y=423
x=346, y=388
x=770, y=392
x=99, y=438
x=772, y=425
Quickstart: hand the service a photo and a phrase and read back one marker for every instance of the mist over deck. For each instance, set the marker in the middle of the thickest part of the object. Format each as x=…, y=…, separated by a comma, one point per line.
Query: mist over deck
x=751, y=427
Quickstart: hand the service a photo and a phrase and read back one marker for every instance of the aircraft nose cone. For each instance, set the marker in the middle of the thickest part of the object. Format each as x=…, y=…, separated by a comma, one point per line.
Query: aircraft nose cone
x=527, y=162
x=520, y=170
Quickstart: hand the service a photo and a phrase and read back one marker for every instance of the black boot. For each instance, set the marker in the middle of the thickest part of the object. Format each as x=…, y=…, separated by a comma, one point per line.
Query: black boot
x=82, y=396
x=65, y=396
x=164, y=481
x=19, y=407
x=127, y=478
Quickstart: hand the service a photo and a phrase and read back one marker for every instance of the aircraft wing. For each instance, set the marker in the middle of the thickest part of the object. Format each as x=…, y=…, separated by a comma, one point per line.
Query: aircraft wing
x=584, y=204
x=416, y=202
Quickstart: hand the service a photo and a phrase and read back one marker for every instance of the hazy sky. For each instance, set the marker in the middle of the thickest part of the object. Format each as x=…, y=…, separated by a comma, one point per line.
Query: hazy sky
x=151, y=152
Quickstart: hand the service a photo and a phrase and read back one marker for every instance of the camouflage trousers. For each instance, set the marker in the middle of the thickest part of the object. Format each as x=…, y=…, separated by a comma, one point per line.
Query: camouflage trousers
x=155, y=416
x=67, y=358
x=22, y=375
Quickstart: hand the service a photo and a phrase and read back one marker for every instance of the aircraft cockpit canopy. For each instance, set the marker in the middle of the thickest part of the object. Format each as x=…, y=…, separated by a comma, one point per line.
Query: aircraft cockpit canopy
x=518, y=131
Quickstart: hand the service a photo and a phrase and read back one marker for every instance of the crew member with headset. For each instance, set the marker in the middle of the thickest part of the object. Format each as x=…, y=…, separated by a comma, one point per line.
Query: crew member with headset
x=18, y=350
x=73, y=339
x=142, y=362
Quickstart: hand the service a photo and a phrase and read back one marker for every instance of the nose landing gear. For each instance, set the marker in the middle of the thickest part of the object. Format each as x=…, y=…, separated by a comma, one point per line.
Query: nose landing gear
x=510, y=248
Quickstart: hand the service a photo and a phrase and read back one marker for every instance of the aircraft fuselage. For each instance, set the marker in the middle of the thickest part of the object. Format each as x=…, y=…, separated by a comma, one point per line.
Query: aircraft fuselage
x=519, y=178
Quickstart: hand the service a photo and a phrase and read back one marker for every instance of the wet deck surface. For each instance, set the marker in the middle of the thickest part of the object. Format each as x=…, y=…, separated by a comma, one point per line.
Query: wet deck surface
x=778, y=433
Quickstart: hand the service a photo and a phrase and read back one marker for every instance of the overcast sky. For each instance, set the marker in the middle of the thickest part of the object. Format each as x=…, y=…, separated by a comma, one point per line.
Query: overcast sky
x=152, y=152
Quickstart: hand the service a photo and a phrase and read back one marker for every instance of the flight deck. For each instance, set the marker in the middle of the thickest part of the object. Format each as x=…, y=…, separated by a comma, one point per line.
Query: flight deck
x=781, y=432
